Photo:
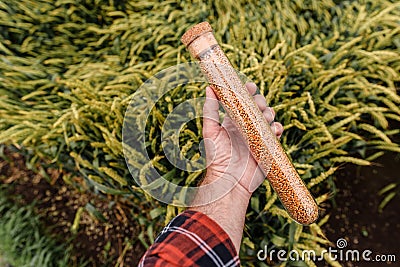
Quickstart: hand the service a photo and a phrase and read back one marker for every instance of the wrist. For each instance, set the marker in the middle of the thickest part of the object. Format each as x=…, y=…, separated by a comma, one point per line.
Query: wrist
x=232, y=185
x=228, y=211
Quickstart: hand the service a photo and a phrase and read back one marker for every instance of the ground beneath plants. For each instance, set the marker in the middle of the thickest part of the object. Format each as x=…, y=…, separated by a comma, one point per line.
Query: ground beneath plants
x=356, y=218
x=106, y=234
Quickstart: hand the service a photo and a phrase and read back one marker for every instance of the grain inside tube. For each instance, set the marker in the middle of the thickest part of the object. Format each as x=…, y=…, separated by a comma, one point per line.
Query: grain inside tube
x=249, y=120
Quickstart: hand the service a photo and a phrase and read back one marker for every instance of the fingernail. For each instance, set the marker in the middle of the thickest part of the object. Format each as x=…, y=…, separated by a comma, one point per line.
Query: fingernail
x=272, y=111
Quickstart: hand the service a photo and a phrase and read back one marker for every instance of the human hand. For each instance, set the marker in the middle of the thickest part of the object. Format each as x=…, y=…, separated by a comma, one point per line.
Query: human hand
x=227, y=153
x=231, y=169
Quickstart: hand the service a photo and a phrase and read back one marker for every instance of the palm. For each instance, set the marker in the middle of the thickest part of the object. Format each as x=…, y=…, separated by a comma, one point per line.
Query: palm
x=227, y=152
x=233, y=157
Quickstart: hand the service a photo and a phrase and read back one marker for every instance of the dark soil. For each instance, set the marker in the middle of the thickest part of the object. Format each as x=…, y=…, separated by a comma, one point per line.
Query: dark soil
x=107, y=232
x=110, y=238
x=356, y=218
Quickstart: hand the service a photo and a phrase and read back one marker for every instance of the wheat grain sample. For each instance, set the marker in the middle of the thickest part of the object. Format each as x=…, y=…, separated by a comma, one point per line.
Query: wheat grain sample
x=261, y=140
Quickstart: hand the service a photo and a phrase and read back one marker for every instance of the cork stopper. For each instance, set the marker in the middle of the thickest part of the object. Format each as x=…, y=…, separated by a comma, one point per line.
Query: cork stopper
x=194, y=32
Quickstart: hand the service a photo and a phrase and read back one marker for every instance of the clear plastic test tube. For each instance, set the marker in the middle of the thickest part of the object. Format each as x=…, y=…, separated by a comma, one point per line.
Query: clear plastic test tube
x=261, y=140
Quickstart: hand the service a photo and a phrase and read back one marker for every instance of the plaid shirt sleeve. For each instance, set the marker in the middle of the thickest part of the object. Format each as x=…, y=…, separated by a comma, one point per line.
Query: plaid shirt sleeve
x=191, y=239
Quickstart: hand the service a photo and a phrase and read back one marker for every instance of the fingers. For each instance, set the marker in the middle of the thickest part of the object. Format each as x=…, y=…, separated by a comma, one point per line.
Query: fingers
x=251, y=87
x=259, y=99
x=269, y=114
x=211, y=124
x=277, y=129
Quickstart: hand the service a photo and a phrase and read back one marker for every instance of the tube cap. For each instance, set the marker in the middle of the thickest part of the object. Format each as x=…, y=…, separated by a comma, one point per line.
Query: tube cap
x=194, y=32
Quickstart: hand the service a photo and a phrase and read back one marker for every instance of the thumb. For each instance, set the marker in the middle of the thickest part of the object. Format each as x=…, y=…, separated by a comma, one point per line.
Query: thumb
x=211, y=124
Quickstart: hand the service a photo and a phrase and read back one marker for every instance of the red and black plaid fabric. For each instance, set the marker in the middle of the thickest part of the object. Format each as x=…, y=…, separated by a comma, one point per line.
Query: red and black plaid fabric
x=191, y=239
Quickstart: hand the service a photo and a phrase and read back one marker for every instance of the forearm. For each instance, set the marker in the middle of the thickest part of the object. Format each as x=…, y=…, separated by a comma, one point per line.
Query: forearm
x=229, y=211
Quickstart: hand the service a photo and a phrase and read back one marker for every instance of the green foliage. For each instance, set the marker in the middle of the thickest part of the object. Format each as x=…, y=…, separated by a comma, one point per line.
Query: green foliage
x=330, y=69
x=23, y=241
x=389, y=192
